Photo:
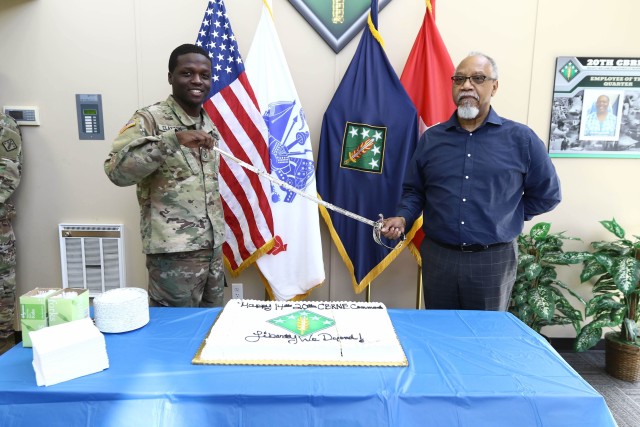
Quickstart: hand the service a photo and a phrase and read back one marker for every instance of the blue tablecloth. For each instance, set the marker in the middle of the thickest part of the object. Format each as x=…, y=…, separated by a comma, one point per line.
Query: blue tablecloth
x=466, y=368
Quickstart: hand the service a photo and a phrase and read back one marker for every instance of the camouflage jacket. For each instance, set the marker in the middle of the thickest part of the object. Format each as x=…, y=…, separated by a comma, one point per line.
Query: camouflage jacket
x=177, y=187
x=10, y=164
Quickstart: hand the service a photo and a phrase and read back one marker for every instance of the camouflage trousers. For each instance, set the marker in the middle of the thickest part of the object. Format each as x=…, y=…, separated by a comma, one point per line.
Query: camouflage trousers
x=7, y=278
x=186, y=279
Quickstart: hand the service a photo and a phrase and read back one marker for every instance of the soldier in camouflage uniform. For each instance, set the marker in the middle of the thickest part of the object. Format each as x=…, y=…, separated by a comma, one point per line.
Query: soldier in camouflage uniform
x=166, y=150
x=10, y=171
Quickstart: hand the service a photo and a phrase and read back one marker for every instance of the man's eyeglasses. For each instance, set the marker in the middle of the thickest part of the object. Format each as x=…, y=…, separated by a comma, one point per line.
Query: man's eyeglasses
x=478, y=80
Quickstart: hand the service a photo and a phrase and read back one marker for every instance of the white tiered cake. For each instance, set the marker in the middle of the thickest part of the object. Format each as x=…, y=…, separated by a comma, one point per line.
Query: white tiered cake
x=250, y=332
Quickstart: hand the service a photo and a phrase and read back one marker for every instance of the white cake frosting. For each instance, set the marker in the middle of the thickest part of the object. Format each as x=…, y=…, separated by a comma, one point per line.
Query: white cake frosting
x=302, y=333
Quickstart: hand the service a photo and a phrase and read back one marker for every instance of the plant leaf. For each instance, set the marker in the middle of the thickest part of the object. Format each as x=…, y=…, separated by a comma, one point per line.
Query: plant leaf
x=605, y=284
x=542, y=302
x=591, y=268
x=519, y=299
x=602, y=304
x=566, y=258
x=548, y=274
x=587, y=338
x=525, y=259
x=617, y=248
x=532, y=271
x=617, y=316
x=565, y=287
x=518, y=287
x=604, y=260
x=540, y=230
x=626, y=273
x=604, y=320
x=614, y=228
x=564, y=306
x=549, y=246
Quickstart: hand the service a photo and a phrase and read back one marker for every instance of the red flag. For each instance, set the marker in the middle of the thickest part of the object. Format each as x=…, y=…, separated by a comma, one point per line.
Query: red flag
x=234, y=110
x=427, y=80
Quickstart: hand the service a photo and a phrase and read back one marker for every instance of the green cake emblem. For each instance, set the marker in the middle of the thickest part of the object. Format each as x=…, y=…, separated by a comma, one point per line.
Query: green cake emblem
x=303, y=322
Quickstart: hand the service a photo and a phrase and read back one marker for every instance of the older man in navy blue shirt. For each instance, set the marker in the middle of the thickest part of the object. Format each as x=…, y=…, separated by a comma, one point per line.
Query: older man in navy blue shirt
x=476, y=178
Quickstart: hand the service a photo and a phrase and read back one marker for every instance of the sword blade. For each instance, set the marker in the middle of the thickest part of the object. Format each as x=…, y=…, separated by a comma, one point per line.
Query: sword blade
x=295, y=190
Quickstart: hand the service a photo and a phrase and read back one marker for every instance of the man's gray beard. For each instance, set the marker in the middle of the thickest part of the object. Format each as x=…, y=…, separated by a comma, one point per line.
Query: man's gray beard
x=468, y=112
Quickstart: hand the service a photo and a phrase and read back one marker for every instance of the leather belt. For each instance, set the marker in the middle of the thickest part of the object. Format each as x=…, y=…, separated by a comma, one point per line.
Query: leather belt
x=476, y=247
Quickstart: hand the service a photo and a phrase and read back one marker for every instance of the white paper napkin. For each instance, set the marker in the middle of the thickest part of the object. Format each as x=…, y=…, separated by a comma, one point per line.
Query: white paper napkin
x=67, y=351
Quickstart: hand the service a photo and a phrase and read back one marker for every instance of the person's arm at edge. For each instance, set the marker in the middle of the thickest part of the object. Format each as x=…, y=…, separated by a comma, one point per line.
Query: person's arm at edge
x=137, y=152
x=542, y=191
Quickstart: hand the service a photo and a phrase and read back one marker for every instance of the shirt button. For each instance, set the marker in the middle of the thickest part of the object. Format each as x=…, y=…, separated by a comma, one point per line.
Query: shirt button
x=464, y=200
x=466, y=177
x=462, y=222
x=468, y=155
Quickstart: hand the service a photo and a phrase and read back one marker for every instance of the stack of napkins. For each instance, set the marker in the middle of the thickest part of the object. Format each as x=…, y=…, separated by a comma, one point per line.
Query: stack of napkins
x=67, y=351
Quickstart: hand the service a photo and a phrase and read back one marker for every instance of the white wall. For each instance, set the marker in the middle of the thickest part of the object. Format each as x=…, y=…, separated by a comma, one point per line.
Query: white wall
x=54, y=49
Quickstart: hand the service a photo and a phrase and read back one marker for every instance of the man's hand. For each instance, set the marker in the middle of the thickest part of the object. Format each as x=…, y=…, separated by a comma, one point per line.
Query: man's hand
x=195, y=138
x=393, y=228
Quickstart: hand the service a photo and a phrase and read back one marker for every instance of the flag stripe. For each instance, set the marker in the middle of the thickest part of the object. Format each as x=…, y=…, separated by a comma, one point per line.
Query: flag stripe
x=261, y=151
x=243, y=209
x=231, y=144
x=236, y=249
x=244, y=93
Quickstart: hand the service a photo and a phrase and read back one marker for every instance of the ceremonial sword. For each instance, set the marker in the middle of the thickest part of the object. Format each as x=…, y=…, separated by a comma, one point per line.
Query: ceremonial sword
x=377, y=225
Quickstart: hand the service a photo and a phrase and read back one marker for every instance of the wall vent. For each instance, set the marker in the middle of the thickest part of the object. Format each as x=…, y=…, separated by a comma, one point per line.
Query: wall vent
x=92, y=256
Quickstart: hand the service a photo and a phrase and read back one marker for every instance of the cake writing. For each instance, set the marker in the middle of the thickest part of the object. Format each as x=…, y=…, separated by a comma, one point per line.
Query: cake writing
x=296, y=339
x=288, y=305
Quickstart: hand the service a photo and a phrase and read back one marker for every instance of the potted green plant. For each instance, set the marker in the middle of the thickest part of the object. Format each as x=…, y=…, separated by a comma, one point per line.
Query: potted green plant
x=615, y=266
x=537, y=298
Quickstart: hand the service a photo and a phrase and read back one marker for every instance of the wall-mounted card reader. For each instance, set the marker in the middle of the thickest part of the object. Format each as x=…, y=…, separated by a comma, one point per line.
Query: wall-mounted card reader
x=90, y=123
x=24, y=116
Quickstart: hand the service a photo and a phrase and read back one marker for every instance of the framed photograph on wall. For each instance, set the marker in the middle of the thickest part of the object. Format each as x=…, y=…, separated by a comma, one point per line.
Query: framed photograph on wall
x=596, y=108
x=600, y=119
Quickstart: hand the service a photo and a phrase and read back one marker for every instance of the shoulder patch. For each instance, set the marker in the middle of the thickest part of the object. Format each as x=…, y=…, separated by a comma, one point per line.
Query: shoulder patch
x=9, y=145
x=129, y=124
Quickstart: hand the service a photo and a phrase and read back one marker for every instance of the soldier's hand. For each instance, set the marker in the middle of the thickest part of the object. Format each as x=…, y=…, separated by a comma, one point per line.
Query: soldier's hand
x=392, y=228
x=195, y=138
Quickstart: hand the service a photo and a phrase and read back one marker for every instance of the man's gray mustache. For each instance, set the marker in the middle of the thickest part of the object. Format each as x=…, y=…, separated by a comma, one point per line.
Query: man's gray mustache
x=471, y=94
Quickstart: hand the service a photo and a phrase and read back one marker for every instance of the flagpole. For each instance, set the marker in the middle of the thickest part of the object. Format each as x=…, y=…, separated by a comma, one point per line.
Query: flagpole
x=419, y=293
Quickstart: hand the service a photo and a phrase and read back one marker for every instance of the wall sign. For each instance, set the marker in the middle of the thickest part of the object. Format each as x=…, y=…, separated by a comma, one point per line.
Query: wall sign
x=337, y=21
x=596, y=108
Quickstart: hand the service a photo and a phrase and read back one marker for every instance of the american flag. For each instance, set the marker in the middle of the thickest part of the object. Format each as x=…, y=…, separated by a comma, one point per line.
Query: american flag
x=232, y=106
